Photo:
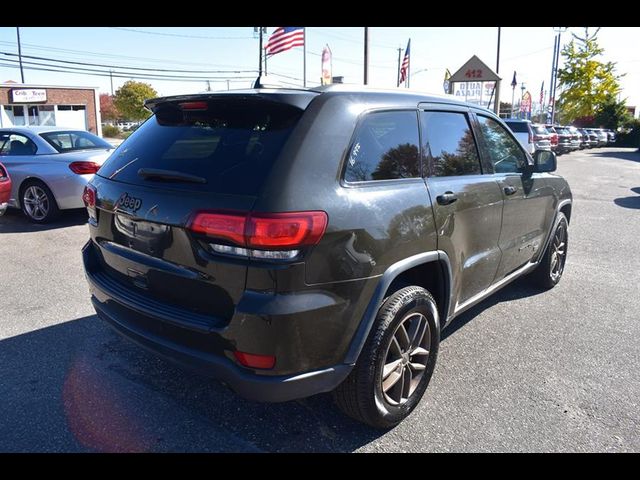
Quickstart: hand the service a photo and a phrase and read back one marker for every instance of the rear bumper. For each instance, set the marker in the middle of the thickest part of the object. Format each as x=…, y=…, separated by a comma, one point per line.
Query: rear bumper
x=167, y=340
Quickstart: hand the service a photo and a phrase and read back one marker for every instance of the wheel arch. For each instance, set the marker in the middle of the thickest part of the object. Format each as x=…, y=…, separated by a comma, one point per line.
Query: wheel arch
x=430, y=270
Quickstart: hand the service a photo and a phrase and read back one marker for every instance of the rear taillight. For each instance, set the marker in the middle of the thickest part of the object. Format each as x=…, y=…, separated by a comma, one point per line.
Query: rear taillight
x=3, y=175
x=273, y=235
x=89, y=196
x=285, y=230
x=82, y=168
x=89, y=200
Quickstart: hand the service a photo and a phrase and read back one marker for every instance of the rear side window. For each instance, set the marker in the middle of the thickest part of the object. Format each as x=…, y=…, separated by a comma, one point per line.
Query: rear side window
x=16, y=144
x=385, y=148
x=68, y=141
x=540, y=130
x=519, y=127
x=449, y=144
x=231, y=143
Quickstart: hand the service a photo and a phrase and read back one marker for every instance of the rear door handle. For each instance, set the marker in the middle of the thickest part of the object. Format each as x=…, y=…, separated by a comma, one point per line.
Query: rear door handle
x=446, y=198
x=510, y=190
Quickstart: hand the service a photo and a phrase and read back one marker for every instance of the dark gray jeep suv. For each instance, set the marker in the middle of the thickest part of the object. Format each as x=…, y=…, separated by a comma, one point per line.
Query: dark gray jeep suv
x=291, y=242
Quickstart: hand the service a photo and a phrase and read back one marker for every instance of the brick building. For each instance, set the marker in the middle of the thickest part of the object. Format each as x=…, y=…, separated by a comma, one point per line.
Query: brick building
x=73, y=107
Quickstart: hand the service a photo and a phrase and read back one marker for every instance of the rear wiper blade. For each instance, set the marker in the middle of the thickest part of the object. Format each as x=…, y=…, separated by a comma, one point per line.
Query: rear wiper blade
x=170, y=175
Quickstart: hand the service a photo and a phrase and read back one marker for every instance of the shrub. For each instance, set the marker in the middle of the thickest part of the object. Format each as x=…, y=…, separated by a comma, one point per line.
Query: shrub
x=630, y=138
x=110, y=131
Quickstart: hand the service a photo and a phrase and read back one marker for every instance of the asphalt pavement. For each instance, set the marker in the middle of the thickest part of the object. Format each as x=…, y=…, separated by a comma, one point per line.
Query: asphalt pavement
x=522, y=371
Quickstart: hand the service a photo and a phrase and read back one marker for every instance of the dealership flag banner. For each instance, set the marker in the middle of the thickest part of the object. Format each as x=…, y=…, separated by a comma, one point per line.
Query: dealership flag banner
x=404, y=69
x=326, y=66
x=447, y=76
x=284, y=38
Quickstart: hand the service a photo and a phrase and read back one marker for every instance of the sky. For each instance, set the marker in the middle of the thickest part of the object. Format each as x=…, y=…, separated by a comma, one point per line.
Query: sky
x=526, y=50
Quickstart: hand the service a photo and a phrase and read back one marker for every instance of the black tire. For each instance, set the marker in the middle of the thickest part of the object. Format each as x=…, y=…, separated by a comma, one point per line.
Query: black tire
x=50, y=210
x=548, y=273
x=361, y=395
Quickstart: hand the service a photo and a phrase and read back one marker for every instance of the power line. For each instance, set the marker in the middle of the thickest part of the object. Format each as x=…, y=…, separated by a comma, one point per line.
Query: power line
x=105, y=73
x=98, y=54
x=49, y=59
x=164, y=34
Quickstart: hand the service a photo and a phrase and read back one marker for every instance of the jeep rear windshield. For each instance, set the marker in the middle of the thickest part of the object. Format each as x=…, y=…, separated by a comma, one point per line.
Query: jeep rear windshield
x=231, y=144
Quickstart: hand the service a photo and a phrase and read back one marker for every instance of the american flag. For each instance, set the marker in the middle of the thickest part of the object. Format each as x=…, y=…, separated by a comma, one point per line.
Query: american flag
x=284, y=38
x=404, y=69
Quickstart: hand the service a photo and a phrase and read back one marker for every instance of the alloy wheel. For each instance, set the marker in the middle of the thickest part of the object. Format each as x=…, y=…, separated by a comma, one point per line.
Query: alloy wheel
x=559, y=252
x=36, y=202
x=406, y=358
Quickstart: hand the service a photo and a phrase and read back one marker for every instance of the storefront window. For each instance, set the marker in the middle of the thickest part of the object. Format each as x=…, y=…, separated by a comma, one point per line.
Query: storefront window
x=47, y=115
x=15, y=113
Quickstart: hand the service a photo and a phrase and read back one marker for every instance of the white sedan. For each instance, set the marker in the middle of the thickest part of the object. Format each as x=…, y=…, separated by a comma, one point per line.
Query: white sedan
x=49, y=167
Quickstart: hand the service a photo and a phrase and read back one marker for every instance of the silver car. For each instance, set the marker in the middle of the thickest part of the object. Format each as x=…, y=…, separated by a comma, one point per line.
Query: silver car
x=49, y=167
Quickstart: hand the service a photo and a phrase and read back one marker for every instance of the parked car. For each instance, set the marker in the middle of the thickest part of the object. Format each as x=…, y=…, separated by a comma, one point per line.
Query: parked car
x=541, y=137
x=565, y=143
x=553, y=137
x=603, y=138
x=5, y=189
x=523, y=132
x=611, y=137
x=576, y=137
x=50, y=167
x=593, y=137
x=584, y=138
x=284, y=242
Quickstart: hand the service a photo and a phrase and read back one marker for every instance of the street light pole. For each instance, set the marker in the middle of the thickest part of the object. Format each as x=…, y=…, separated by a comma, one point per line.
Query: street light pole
x=555, y=72
x=366, y=55
x=20, y=54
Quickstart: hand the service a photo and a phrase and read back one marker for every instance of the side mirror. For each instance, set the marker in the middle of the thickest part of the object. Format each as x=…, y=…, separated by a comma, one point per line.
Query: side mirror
x=545, y=161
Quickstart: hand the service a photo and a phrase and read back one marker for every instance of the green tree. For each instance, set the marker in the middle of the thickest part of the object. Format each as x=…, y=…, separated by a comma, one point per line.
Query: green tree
x=612, y=114
x=585, y=83
x=129, y=100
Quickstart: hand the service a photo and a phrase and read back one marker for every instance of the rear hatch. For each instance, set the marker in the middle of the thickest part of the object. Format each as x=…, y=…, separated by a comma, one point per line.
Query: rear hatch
x=202, y=154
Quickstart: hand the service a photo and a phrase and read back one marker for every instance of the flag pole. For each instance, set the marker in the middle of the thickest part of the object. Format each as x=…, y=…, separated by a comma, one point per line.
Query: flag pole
x=260, y=55
x=366, y=55
x=398, y=75
x=304, y=57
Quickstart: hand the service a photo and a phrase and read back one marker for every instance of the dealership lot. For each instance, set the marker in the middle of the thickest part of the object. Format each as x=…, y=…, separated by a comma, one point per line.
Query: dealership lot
x=522, y=371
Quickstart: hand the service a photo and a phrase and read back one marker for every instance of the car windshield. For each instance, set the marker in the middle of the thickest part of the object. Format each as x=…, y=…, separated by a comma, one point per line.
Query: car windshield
x=539, y=129
x=68, y=141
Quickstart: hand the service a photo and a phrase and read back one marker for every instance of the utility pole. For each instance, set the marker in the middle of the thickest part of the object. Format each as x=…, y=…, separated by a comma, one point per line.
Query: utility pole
x=398, y=72
x=111, y=79
x=304, y=57
x=523, y=88
x=20, y=54
x=555, y=73
x=366, y=55
x=496, y=105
